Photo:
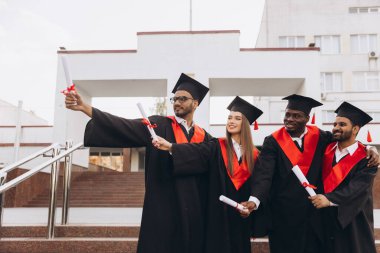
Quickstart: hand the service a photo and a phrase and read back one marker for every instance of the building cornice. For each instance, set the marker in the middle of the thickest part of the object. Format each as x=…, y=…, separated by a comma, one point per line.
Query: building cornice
x=189, y=32
x=281, y=49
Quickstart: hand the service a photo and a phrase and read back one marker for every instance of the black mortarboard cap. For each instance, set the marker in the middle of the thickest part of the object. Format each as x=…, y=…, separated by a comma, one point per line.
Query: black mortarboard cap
x=195, y=88
x=301, y=103
x=249, y=111
x=357, y=116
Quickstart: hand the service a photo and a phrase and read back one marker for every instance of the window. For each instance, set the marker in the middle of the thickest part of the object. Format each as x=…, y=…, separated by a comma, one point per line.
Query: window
x=363, y=10
x=331, y=81
x=292, y=41
x=366, y=81
x=107, y=158
x=363, y=43
x=329, y=44
x=328, y=116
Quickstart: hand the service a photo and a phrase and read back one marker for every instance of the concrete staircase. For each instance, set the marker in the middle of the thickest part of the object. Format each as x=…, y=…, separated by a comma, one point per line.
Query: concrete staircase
x=100, y=189
x=80, y=239
x=86, y=239
x=115, y=231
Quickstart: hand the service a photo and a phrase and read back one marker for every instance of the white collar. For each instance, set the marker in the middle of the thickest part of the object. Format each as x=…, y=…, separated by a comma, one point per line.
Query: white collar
x=302, y=135
x=350, y=149
x=182, y=121
x=234, y=142
x=237, y=149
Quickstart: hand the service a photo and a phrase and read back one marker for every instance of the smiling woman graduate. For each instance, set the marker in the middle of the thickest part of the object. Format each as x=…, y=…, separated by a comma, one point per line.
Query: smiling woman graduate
x=228, y=164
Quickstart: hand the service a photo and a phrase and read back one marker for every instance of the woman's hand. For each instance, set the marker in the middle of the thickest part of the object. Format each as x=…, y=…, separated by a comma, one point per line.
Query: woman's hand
x=162, y=144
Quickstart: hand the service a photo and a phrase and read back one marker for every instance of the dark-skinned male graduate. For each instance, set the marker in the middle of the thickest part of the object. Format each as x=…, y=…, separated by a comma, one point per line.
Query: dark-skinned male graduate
x=347, y=201
x=173, y=210
x=293, y=224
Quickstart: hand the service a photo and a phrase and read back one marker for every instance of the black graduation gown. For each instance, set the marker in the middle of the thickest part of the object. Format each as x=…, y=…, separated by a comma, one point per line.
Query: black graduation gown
x=293, y=224
x=173, y=211
x=349, y=226
x=226, y=230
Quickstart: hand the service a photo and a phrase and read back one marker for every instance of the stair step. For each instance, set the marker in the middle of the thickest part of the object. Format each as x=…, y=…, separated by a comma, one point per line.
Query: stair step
x=64, y=245
x=84, y=239
x=87, y=245
x=91, y=205
x=100, y=189
x=70, y=231
x=93, y=245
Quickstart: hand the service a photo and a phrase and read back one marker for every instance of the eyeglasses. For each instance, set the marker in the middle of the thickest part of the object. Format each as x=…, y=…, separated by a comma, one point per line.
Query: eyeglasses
x=181, y=99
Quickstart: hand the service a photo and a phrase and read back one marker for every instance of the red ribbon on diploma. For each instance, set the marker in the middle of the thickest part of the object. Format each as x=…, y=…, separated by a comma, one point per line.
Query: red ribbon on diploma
x=304, y=184
x=147, y=123
x=68, y=89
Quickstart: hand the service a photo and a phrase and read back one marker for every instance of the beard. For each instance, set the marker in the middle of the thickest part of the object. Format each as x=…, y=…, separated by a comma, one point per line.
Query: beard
x=341, y=135
x=182, y=111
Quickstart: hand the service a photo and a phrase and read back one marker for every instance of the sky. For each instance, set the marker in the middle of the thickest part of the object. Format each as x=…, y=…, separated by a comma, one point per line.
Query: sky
x=32, y=30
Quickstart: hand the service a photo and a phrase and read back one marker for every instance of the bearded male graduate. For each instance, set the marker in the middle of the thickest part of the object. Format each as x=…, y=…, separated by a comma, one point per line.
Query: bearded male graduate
x=173, y=211
x=293, y=223
x=347, y=200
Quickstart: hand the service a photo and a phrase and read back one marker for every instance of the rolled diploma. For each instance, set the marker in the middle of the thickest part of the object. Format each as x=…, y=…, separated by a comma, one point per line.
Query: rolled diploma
x=66, y=69
x=151, y=130
x=301, y=177
x=232, y=203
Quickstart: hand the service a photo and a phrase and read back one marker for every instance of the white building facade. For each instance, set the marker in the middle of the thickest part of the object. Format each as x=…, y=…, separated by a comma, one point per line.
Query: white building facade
x=347, y=33
x=21, y=133
x=212, y=57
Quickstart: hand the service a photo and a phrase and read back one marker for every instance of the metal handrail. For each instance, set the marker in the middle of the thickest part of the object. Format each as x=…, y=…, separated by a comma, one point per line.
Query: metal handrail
x=15, y=165
x=54, y=162
x=33, y=171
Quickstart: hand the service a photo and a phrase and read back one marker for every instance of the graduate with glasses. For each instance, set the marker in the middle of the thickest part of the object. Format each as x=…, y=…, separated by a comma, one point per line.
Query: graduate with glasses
x=228, y=164
x=173, y=211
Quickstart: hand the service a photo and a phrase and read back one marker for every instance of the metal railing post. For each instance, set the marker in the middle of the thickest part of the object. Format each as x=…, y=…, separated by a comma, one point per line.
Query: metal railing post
x=3, y=177
x=66, y=184
x=54, y=162
x=53, y=194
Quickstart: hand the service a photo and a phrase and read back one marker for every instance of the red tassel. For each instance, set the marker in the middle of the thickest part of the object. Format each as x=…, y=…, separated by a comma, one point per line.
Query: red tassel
x=313, y=119
x=68, y=89
x=256, y=125
x=369, y=137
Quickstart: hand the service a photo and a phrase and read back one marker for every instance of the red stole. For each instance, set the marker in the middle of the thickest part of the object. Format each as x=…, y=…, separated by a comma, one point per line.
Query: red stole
x=240, y=171
x=295, y=156
x=180, y=137
x=333, y=176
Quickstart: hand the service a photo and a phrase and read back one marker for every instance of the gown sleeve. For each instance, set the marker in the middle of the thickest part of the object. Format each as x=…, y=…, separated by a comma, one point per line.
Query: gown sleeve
x=352, y=196
x=264, y=170
x=107, y=130
x=194, y=158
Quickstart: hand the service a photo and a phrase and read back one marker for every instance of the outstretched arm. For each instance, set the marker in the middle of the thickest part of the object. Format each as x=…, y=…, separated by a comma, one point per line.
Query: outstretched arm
x=107, y=130
x=373, y=157
x=162, y=144
x=264, y=170
x=190, y=158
